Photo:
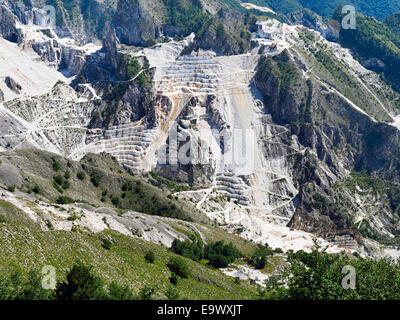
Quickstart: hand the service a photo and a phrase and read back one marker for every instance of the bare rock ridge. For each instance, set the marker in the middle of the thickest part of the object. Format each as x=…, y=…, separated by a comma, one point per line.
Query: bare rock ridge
x=110, y=46
x=133, y=23
x=8, y=29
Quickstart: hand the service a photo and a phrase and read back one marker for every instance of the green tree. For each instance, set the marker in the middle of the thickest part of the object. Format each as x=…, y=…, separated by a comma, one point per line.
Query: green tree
x=150, y=257
x=178, y=266
x=95, y=178
x=146, y=293
x=107, y=244
x=190, y=249
x=117, y=292
x=259, y=258
x=80, y=284
x=172, y=293
x=174, y=279
x=16, y=287
x=220, y=255
x=56, y=165
x=318, y=276
x=81, y=175
x=36, y=189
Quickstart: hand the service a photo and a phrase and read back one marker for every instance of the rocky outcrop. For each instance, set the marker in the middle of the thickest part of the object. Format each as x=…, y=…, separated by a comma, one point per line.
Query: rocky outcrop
x=141, y=23
x=342, y=140
x=310, y=128
x=123, y=103
x=276, y=85
x=14, y=86
x=21, y=9
x=8, y=29
x=72, y=60
x=225, y=33
x=133, y=24
x=375, y=64
x=63, y=57
x=110, y=48
x=311, y=20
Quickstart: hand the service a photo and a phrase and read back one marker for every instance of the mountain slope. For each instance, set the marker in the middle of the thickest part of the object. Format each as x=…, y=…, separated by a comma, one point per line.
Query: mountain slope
x=377, y=8
x=26, y=248
x=376, y=45
x=140, y=22
x=322, y=125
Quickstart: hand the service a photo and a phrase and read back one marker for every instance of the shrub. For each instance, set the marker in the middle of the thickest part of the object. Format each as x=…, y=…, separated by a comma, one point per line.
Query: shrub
x=178, y=266
x=106, y=222
x=117, y=292
x=107, y=244
x=81, y=175
x=218, y=260
x=36, y=189
x=127, y=186
x=56, y=165
x=221, y=255
x=81, y=284
x=115, y=201
x=192, y=250
x=61, y=181
x=66, y=185
x=11, y=188
x=258, y=262
x=72, y=217
x=150, y=257
x=146, y=293
x=174, y=279
x=259, y=258
x=64, y=200
x=172, y=293
x=18, y=287
x=58, y=188
x=58, y=179
x=95, y=178
x=318, y=276
x=49, y=225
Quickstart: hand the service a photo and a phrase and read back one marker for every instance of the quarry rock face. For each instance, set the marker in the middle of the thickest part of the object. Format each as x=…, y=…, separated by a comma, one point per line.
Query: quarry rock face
x=133, y=23
x=8, y=29
x=263, y=136
x=305, y=17
x=110, y=43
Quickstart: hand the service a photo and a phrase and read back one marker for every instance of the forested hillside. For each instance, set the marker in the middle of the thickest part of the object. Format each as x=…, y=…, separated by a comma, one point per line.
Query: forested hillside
x=379, y=9
x=376, y=45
